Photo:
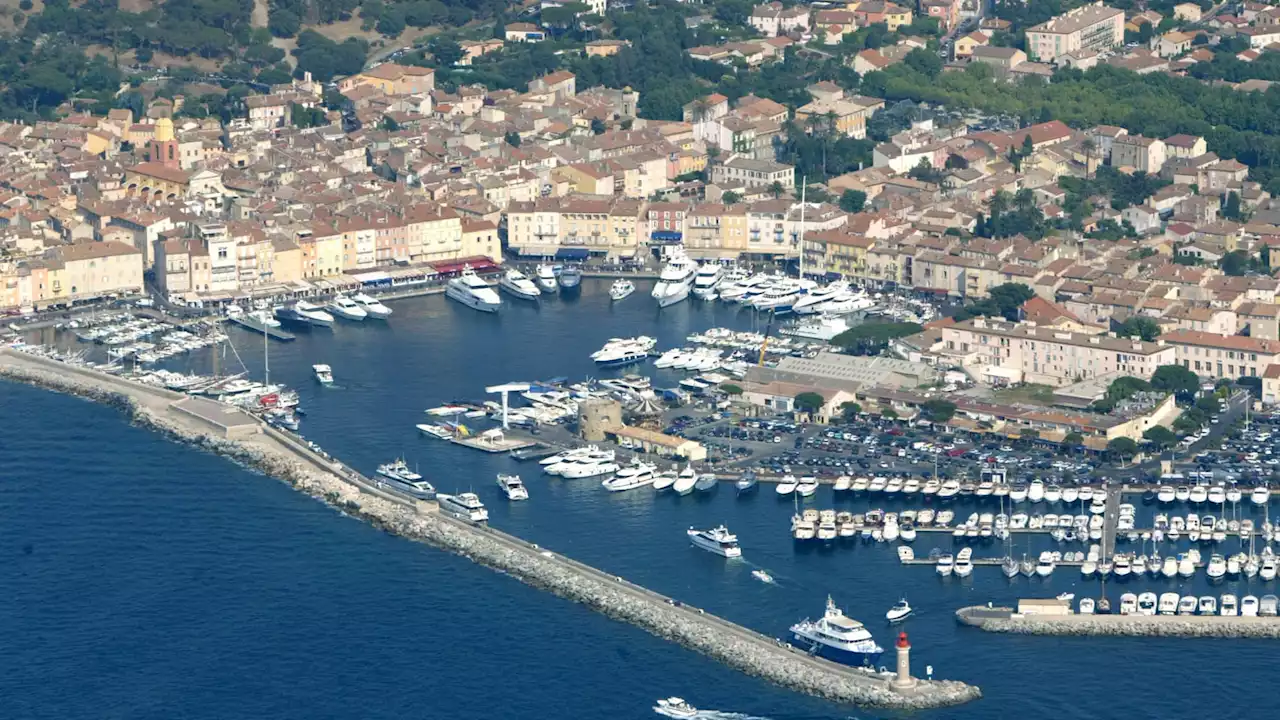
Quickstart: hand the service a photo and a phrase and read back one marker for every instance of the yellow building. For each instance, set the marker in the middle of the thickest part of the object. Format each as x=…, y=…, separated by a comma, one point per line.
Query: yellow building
x=585, y=178
x=94, y=270
x=480, y=239
x=286, y=261
x=393, y=79
x=712, y=230
x=321, y=253
x=838, y=251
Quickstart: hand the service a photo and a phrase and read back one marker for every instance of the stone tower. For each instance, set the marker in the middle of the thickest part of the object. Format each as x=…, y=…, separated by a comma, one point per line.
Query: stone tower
x=903, y=681
x=164, y=148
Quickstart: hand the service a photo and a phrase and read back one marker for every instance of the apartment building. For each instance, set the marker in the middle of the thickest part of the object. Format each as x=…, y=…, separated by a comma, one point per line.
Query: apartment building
x=715, y=230
x=754, y=173
x=1140, y=153
x=591, y=223
x=1223, y=356
x=775, y=19
x=848, y=115
x=1093, y=27
x=999, y=352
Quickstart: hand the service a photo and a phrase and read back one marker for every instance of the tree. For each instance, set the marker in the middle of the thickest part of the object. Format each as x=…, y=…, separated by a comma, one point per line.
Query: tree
x=1160, y=436
x=1122, y=448
x=445, y=51
x=1072, y=440
x=852, y=201
x=808, y=401
x=731, y=198
x=1231, y=208
x=597, y=126
x=1141, y=327
x=1234, y=263
x=924, y=172
x=1175, y=379
x=889, y=414
x=938, y=410
x=849, y=411
x=777, y=189
x=284, y=23
x=512, y=138
x=731, y=389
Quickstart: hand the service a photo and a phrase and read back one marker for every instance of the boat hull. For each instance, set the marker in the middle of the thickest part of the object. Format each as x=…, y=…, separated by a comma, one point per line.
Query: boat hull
x=293, y=316
x=516, y=292
x=470, y=300
x=345, y=314
x=672, y=295
x=844, y=657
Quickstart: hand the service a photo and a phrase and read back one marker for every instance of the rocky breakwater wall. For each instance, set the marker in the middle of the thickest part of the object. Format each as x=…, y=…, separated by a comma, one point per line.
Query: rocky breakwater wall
x=1005, y=620
x=735, y=646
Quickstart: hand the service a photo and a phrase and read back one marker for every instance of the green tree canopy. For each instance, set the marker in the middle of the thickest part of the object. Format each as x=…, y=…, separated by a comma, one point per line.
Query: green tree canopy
x=1141, y=327
x=808, y=401
x=1122, y=448
x=1160, y=436
x=1175, y=379
x=938, y=410
x=852, y=201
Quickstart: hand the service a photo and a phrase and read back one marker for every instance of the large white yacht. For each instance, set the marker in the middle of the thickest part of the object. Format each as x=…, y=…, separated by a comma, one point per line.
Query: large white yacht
x=372, y=307
x=547, y=278
x=305, y=313
x=466, y=506
x=624, y=351
x=346, y=308
x=675, y=280
x=519, y=285
x=813, y=301
x=472, y=291
x=743, y=288
x=838, y=637
x=707, y=280
x=717, y=540
x=398, y=476
x=636, y=475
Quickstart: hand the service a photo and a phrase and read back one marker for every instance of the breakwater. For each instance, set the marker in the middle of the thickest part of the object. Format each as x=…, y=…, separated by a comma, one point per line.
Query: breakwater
x=1006, y=620
x=284, y=457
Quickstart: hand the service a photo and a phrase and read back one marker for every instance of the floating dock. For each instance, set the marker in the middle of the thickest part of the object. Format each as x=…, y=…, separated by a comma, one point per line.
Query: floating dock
x=492, y=442
x=274, y=333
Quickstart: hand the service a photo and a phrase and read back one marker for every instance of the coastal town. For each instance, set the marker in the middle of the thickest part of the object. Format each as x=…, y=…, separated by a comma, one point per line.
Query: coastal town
x=881, y=263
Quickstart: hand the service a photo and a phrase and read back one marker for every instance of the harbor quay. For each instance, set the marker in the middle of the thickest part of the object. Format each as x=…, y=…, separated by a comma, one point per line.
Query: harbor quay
x=1008, y=620
x=245, y=439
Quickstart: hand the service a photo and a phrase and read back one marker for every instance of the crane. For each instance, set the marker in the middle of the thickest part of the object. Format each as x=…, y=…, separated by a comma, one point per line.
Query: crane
x=764, y=344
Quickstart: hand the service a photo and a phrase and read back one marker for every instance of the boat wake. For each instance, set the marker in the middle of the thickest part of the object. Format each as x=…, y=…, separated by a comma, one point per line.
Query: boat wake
x=718, y=715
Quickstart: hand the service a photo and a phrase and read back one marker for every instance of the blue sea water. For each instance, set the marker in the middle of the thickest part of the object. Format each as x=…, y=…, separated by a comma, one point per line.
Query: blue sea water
x=142, y=579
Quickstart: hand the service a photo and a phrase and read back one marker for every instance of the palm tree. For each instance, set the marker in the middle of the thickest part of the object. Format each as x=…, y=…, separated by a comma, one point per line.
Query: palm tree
x=1088, y=145
x=776, y=188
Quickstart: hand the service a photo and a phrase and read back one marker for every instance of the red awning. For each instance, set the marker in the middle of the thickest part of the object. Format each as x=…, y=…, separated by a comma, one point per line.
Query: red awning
x=479, y=264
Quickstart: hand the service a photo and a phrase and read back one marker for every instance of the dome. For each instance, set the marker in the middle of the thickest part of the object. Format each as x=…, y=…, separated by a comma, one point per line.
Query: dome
x=164, y=129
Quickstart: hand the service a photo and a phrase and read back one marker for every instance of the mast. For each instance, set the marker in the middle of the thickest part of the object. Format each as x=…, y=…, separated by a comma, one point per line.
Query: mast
x=266, y=357
x=804, y=185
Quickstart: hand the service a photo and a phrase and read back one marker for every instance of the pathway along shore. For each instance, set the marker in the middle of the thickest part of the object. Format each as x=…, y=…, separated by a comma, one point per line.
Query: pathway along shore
x=1006, y=620
x=238, y=436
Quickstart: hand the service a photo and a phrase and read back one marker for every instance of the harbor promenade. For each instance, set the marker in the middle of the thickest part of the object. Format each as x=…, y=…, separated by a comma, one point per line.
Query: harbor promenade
x=244, y=438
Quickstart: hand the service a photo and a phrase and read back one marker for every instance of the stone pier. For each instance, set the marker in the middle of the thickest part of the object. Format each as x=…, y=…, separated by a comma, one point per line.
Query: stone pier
x=278, y=454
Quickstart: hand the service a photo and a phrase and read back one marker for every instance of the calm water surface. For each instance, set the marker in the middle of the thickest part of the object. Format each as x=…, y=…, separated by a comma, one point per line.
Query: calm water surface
x=147, y=580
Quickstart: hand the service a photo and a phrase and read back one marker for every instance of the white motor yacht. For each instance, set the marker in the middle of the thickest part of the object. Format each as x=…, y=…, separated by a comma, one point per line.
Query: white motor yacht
x=717, y=540
x=1045, y=565
x=1147, y=603
x=815, y=300
x=346, y=308
x=466, y=506
x=686, y=481
x=1260, y=495
x=707, y=280
x=398, y=476
x=324, y=374
x=963, y=566
x=899, y=611
x=633, y=476
x=675, y=281
x=372, y=307
x=512, y=487
x=945, y=565
x=519, y=285
x=546, y=278
x=1128, y=604
x=1168, y=603
x=674, y=707
x=1228, y=606
x=471, y=290
x=1217, y=567
x=787, y=485
x=838, y=637
x=621, y=289
x=305, y=313
x=807, y=486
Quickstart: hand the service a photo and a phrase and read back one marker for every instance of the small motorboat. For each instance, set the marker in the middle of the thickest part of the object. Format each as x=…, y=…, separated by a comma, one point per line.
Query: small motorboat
x=513, y=487
x=899, y=611
x=1086, y=606
x=807, y=486
x=706, y=482
x=674, y=707
x=324, y=374
x=621, y=289
x=762, y=576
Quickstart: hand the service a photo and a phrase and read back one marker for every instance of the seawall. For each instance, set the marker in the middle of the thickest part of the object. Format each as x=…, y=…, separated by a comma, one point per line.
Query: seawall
x=279, y=455
x=1004, y=620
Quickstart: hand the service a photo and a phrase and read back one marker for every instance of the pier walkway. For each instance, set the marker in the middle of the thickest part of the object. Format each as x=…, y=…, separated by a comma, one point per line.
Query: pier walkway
x=309, y=469
x=1111, y=518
